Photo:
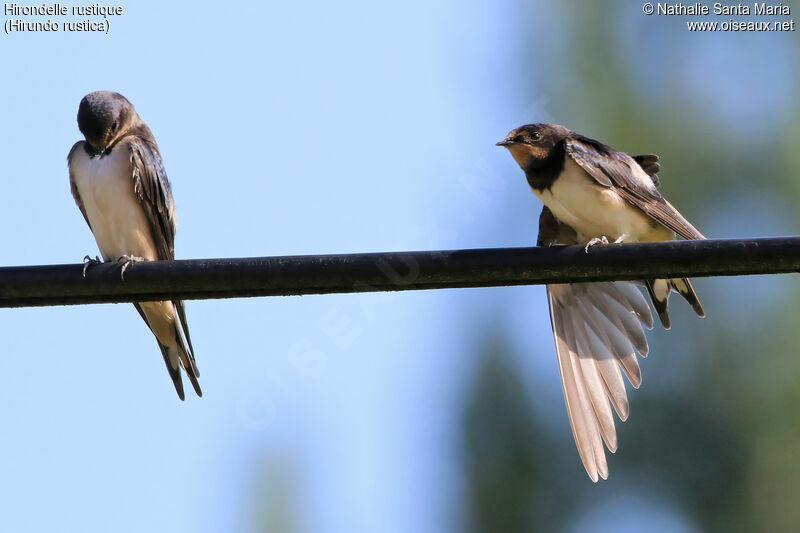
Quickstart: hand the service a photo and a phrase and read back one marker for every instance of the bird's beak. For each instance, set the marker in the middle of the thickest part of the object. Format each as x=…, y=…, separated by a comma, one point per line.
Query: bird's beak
x=505, y=142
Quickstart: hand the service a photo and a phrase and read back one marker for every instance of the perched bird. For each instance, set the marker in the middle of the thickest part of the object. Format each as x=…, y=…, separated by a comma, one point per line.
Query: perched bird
x=592, y=194
x=119, y=183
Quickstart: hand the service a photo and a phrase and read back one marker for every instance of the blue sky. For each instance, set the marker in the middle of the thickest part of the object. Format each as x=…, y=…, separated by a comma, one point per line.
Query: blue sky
x=321, y=128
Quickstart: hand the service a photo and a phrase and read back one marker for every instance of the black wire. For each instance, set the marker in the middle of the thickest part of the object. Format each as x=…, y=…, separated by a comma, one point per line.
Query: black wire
x=393, y=271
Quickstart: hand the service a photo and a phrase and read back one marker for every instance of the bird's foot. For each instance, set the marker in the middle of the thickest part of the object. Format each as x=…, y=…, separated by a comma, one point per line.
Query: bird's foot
x=126, y=261
x=89, y=262
x=596, y=240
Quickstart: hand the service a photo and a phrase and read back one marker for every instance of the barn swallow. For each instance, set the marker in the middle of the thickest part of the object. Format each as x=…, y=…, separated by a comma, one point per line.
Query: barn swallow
x=591, y=194
x=119, y=183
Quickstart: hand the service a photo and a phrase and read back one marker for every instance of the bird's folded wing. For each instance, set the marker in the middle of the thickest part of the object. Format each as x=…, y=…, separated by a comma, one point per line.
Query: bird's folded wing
x=630, y=179
x=597, y=328
x=152, y=187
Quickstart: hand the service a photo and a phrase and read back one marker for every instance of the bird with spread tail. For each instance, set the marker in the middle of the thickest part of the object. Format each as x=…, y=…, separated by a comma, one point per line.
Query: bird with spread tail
x=594, y=194
x=120, y=185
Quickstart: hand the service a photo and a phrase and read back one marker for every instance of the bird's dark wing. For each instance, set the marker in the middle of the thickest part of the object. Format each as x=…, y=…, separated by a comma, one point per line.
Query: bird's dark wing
x=611, y=168
x=152, y=187
x=80, y=145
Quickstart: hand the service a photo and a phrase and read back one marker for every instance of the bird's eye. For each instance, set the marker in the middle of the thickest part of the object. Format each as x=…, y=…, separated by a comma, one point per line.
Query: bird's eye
x=536, y=136
x=114, y=126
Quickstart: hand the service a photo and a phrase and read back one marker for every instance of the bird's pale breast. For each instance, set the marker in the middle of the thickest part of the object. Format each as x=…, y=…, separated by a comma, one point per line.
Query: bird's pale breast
x=105, y=186
x=593, y=210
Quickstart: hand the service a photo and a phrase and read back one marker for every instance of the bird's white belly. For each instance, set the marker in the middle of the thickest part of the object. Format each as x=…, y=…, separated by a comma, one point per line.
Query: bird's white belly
x=593, y=210
x=105, y=186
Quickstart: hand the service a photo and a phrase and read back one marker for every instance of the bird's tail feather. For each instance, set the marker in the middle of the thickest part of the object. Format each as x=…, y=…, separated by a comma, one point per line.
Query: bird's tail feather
x=174, y=368
x=186, y=358
x=177, y=355
x=659, y=290
x=191, y=370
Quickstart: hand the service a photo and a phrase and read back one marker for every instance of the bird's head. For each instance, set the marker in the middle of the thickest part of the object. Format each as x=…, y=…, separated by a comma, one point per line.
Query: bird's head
x=103, y=117
x=533, y=143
